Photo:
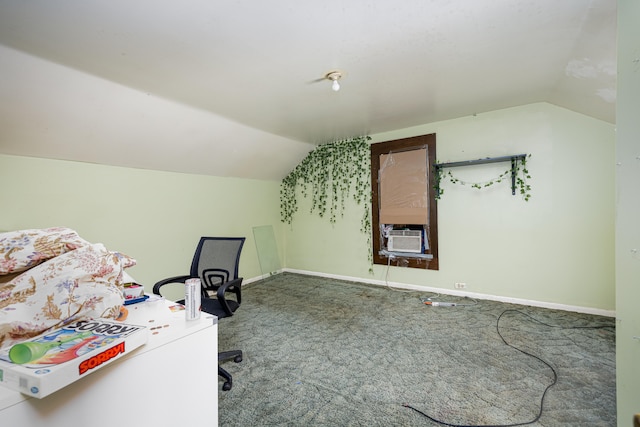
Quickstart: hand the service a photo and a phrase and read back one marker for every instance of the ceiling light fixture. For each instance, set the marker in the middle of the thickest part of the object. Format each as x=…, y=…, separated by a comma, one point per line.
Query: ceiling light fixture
x=334, y=76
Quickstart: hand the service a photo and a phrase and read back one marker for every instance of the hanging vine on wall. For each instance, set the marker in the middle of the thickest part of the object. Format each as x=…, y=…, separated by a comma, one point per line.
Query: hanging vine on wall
x=517, y=173
x=331, y=174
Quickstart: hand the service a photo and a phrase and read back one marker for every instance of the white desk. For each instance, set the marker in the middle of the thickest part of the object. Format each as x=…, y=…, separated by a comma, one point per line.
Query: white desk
x=172, y=380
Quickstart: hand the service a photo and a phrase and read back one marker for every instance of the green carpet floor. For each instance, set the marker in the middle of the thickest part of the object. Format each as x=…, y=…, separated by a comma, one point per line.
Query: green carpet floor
x=323, y=352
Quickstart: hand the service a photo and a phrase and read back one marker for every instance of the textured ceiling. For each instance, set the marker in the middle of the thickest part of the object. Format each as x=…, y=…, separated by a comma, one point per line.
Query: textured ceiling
x=244, y=72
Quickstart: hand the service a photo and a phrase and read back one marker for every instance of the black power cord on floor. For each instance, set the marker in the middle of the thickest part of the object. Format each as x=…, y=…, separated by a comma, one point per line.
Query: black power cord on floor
x=555, y=374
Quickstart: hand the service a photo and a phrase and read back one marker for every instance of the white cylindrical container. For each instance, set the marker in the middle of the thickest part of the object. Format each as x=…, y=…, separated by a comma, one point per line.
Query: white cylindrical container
x=192, y=299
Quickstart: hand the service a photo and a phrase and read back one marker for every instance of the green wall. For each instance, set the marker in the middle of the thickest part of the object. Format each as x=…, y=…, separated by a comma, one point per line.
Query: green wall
x=558, y=248
x=155, y=217
x=628, y=212
x=555, y=249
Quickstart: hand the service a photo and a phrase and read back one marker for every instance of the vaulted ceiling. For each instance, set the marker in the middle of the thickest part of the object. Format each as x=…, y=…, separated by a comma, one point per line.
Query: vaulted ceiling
x=234, y=87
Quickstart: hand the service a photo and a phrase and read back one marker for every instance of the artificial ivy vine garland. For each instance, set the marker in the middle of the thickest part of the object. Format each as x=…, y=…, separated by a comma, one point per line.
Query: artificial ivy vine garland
x=330, y=174
x=521, y=172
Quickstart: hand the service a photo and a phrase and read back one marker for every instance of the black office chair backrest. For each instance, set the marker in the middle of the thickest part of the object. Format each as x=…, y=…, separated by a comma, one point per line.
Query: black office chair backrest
x=216, y=260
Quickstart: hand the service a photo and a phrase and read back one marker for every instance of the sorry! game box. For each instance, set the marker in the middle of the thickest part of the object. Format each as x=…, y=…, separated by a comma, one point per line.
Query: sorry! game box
x=43, y=365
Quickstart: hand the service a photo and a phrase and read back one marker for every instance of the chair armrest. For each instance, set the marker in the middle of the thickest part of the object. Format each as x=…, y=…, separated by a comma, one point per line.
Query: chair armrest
x=174, y=279
x=233, y=286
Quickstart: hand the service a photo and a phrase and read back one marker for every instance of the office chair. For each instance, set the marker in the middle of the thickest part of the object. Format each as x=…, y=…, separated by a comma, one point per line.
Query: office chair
x=215, y=263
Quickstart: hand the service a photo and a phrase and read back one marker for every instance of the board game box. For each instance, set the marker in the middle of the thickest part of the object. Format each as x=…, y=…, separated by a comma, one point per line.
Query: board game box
x=51, y=361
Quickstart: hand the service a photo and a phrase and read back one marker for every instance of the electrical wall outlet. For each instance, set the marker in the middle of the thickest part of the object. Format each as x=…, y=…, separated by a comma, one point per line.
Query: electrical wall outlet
x=460, y=285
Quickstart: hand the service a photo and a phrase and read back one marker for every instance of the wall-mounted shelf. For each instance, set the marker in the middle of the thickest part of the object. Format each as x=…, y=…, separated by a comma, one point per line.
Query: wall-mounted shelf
x=514, y=159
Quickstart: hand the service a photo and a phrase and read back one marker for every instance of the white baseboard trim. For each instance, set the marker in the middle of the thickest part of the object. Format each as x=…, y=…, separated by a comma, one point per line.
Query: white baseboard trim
x=541, y=304
x=261, y=277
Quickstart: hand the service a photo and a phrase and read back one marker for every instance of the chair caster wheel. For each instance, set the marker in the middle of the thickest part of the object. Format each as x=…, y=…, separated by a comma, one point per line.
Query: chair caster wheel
x=237, y=359
x=226, y=386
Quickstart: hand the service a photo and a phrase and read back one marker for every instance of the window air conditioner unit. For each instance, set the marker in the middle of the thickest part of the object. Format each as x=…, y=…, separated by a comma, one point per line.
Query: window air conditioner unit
x=405, y=241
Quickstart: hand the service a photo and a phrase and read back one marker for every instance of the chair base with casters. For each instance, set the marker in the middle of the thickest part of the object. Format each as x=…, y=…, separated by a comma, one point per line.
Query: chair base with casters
x=223, y=356
x=223, y=307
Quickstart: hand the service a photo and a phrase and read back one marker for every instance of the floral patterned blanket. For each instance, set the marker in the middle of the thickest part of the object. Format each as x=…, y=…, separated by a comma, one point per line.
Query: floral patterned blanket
x=52, y=277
